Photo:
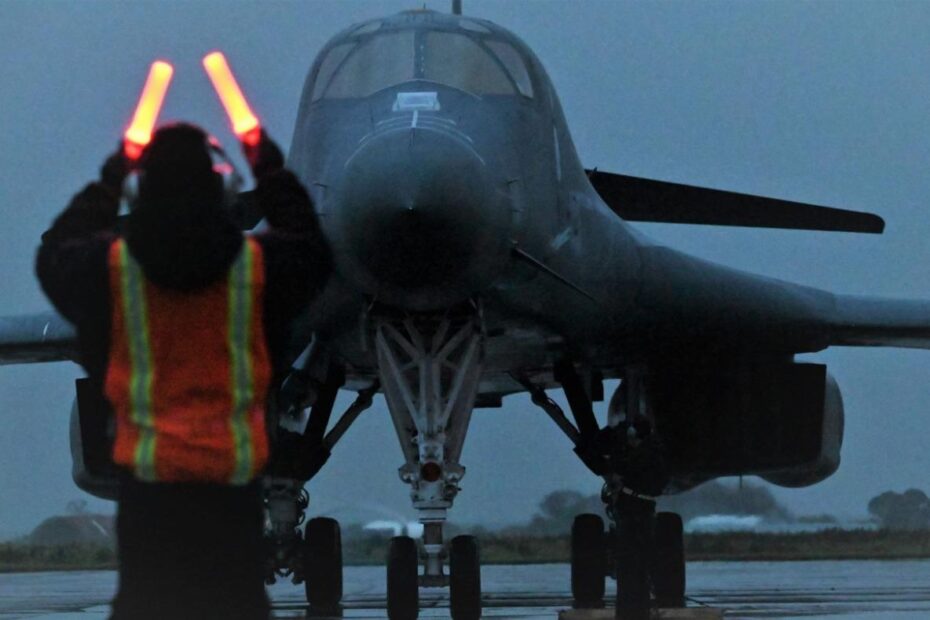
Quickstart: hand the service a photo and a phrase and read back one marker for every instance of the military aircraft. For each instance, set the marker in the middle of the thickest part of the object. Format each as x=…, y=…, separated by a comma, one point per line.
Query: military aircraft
x=478, y=258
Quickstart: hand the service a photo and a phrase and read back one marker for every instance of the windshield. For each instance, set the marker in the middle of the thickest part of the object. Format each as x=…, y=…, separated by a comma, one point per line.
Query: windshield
x=481, y=66
x=374, y=64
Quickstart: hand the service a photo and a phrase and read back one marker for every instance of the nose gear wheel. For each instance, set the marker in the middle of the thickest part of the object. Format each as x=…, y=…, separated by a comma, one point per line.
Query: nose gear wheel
x=464, y=579
x=403, y=595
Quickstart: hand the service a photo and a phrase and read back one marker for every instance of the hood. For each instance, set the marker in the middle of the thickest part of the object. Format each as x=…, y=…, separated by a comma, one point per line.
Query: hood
x=180, y=246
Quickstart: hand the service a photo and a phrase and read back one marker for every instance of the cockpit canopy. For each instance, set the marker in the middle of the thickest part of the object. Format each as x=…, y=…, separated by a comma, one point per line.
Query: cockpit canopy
x=470, y=58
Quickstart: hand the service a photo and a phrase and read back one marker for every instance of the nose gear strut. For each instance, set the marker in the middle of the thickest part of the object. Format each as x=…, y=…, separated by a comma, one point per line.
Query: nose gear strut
x=430, y=367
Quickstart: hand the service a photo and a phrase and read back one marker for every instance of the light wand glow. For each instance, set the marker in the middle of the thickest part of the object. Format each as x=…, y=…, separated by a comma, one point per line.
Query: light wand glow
x=244, y=123
x=140, y=129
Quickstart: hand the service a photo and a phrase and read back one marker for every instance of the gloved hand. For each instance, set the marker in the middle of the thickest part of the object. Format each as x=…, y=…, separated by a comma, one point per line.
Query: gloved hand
x=91, y=210
x=264, y=158
x=114, y=171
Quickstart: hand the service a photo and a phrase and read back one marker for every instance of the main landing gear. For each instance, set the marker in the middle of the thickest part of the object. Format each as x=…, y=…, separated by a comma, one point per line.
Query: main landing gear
x=313, y=557
x=643, y=550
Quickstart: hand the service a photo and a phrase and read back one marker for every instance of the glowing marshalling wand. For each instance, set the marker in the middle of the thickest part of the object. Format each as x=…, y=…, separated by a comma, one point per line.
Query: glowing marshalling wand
x=139, y=133
x=244, y=123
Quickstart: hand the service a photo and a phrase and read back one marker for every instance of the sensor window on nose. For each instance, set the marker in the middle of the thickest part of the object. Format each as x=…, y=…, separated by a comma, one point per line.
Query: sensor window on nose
x=419, y=101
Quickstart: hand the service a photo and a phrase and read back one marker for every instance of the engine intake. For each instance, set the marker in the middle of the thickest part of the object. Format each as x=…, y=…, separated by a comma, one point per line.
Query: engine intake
x=783, y=422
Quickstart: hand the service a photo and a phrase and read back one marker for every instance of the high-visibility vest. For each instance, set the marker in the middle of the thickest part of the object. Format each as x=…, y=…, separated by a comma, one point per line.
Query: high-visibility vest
x=188, y=373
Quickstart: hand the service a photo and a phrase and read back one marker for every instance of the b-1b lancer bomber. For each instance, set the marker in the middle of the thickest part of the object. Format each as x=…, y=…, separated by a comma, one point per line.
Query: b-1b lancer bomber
x=477, y=258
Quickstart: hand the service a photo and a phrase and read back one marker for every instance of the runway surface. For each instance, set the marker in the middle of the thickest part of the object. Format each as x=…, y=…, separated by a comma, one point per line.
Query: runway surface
x=867, y=590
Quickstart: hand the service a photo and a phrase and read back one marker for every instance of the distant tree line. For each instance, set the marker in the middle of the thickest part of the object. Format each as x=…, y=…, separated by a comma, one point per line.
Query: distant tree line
x=558, y=509
x=909, y=510
x=902, y=511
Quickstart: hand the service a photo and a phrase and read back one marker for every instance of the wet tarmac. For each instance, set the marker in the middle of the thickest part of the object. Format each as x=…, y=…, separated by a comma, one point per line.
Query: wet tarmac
x=853, y=589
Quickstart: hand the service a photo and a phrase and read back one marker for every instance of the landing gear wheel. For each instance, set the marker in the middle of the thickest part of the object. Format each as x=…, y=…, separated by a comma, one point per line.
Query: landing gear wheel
x=633, y=536
x=465, y=579
x=589, y=562
x=668, y=572
x=403, y=594
x=322, y=562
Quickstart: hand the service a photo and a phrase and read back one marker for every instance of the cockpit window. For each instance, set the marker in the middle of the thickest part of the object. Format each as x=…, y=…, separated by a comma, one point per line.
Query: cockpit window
x=458, y=61
x=476, y=64
x=329, y=65
x=514, y=64
x=379, y=62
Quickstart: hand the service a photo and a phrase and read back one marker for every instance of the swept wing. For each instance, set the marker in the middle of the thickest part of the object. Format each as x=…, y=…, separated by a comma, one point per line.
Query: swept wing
x=876, y=322
x=33, y=338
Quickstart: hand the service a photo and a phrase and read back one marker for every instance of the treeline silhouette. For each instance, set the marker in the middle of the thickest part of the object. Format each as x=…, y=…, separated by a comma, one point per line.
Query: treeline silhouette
x=557, y=509
x=901, y=511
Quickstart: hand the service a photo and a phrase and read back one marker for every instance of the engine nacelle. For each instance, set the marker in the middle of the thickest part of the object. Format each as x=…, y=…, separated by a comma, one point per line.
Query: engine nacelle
x=91, y=465
x=781, y=421
x=831, y=440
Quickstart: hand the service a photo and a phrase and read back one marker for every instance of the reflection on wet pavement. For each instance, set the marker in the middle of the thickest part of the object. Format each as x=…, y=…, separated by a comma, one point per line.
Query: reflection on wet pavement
x=849, y=589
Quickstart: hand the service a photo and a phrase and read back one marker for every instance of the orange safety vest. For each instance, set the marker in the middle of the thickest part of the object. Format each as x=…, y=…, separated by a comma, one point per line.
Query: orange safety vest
x=188, y=373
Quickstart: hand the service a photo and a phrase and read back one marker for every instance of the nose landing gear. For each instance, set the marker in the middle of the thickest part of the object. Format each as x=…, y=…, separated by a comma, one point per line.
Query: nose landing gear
x=430, y=367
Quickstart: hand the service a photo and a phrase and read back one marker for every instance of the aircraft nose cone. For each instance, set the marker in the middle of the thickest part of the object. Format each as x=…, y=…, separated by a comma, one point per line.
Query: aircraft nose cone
x=417, y=217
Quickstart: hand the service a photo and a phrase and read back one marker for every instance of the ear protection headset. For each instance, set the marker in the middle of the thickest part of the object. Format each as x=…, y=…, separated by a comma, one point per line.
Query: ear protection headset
x=222, y=166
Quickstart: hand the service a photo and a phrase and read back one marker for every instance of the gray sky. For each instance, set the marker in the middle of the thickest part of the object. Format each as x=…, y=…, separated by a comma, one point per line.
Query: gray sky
x=814, y=101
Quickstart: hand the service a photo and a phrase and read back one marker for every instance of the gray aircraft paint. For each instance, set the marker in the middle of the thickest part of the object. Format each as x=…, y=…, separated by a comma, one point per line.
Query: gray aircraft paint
x=680, y=141
x=378, y=178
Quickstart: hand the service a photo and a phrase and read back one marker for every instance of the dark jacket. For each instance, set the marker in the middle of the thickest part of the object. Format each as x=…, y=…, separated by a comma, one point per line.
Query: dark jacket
x=184, y=250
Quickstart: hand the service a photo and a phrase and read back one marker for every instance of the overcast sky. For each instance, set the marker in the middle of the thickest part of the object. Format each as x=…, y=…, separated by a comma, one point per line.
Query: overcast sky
x=825, y=102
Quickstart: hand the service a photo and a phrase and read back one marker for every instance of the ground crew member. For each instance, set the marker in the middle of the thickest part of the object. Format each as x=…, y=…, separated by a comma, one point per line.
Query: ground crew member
x=183, y=323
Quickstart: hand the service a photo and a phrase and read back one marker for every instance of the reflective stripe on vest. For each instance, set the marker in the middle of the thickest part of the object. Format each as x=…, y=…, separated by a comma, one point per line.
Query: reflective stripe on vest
x=140, y=357
x=188, y=373
x=240, y=318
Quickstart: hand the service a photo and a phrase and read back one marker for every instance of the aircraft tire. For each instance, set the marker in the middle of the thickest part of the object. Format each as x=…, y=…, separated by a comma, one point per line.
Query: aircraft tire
x=588, y=562
x=633, y=558
x=322, y=562
x=668, y=578
x=465, y=579
x=403, y=594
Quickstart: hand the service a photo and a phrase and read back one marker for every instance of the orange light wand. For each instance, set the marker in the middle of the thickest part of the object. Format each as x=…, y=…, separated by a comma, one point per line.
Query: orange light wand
x=139, y=133
x=244, y=123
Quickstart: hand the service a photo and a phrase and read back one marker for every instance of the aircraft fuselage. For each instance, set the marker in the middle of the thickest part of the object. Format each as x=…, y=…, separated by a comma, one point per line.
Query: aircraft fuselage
x=446, y=177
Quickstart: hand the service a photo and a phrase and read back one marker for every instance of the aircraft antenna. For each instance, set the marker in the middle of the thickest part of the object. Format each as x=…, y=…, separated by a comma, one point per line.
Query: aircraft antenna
x=456, y=7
